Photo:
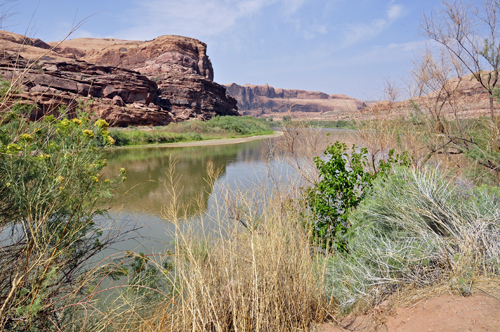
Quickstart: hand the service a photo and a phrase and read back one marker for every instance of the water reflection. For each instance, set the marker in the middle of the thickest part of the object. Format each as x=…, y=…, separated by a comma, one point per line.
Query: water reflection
x=145, y=192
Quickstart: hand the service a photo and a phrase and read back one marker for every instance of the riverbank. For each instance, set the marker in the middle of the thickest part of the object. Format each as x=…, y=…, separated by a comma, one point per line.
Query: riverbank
x=210, y=142
x=217, y=128
x=338, y=124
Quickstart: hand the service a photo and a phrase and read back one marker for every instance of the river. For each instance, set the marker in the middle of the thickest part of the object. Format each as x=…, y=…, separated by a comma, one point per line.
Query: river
x=141, y=198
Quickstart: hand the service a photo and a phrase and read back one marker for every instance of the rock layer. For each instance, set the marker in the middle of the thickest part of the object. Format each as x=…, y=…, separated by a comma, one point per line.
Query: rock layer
x=51, y=84
x=125, y=82
x=267, y=101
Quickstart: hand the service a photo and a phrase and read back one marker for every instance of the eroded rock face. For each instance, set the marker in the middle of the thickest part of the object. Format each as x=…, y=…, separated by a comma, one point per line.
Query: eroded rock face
x=51, y=84
x=165, y=80
x=163, y=55
x=264, y=100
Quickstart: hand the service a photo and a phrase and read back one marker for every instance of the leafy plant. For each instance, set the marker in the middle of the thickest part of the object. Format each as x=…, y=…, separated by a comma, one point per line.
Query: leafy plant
x=345, y=182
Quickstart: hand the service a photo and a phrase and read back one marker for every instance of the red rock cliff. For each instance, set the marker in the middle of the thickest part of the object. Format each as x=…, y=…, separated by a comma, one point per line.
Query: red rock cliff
x=264, y=100
x=155, y=82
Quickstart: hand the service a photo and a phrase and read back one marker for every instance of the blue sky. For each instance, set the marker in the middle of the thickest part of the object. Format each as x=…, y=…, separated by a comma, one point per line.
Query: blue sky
x=334, y=46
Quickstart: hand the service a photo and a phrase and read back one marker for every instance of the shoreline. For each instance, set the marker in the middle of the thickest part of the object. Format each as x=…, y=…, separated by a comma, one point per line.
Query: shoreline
x=219, y=141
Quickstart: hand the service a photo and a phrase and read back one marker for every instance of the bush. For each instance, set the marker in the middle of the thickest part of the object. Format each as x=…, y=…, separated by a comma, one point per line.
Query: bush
x=51, y=188
x=345, y=182
x=419, y=228
x=238, y=125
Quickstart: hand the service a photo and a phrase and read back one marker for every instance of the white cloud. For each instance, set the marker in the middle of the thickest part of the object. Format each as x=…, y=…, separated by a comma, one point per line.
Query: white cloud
x=313, y=30
x=196, y=18
x=362, y=31
x=394, y=12
x=357, y=32
x=291, y=6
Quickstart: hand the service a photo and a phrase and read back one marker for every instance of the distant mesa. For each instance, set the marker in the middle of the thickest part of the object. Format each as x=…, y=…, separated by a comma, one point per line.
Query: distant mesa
x=167, y=79
x=267, y=101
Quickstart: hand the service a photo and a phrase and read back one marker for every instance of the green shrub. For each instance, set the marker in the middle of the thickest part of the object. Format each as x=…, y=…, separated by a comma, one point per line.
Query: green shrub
x=238, y=125
x=345, y=182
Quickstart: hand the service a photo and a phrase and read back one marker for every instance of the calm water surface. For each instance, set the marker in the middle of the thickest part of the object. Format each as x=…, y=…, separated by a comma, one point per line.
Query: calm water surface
x=143, y=195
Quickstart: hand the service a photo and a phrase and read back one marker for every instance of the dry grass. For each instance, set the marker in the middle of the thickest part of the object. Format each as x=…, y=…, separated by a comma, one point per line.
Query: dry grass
x=263, y=277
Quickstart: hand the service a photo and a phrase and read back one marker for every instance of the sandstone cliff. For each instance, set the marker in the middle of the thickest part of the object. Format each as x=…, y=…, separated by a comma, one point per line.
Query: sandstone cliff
x=266, y=101
x=155, y=82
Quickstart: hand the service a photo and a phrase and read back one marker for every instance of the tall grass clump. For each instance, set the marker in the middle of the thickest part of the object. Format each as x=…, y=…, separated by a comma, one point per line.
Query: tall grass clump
x=263, y=276
x=419, y=228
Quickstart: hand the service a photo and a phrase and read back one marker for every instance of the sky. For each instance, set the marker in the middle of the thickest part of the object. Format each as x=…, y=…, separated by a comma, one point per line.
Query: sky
x=334, y=46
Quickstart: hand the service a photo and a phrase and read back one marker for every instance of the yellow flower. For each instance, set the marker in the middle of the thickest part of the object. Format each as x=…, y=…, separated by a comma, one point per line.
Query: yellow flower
x=26, y=138
x=8, y=184
x=13, y=148
x=107, y=180
x=64, y=123
x=111, y=140
x=60, y=178
x=61, y=188
x=87, y=133
x=77, y=121
x=123, y=171
x=43, y=156
x=102, y=124
x=95, y=178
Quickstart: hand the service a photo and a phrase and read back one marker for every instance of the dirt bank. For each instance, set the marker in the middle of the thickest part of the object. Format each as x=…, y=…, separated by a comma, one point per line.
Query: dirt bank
x=441, y=313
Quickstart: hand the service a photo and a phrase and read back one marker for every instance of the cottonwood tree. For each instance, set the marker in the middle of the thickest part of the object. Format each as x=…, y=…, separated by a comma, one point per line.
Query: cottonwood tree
x=469, y=33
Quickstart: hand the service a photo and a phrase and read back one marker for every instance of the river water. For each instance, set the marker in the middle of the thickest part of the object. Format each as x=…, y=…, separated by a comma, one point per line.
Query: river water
x=145, y=193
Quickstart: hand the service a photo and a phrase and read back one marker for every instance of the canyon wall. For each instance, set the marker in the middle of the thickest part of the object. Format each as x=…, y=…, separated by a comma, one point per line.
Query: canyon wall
x=156, y=82
x=267, y=101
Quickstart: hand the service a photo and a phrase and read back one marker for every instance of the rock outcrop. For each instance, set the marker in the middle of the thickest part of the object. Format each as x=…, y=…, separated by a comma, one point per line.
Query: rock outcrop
x=52, y=84
x=266, y=101
x=165, y=80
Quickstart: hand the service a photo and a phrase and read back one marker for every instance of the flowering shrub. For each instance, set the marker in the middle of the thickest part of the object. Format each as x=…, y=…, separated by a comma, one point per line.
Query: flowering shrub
x=50, y=194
